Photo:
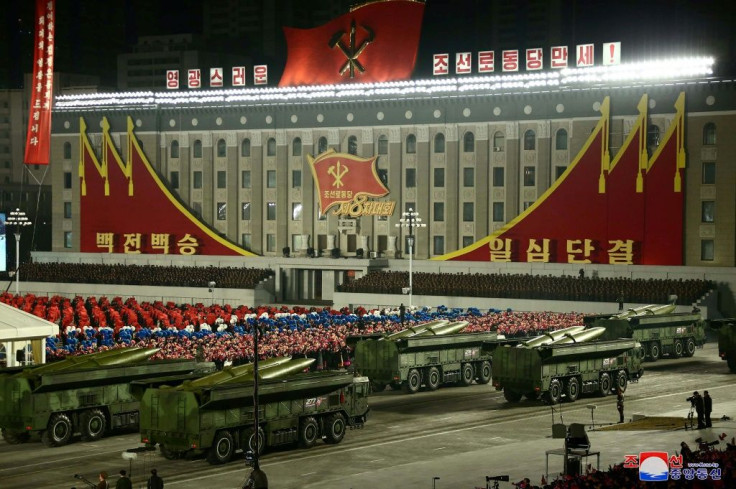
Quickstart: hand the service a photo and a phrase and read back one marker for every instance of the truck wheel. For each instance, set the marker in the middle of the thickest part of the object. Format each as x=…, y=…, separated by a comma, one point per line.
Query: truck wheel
x=511, y=396
x=413, y=381
x=622, y=381
x=555, y=392
x=248, y=440
x=677, y=349
x=466, y=374
x=308, y=432
x=58, y=432
x=572, y=391
x=15, y=438
x=433, y=379
x=92, y=424
x=690, y=347
x=377, y=387
x=334, y=428
x=484, y=372
x=222, y=448
x=605, y=384
x=654, y=352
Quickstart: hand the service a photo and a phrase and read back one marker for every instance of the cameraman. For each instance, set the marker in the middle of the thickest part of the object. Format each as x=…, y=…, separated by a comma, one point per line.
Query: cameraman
x=696, y=401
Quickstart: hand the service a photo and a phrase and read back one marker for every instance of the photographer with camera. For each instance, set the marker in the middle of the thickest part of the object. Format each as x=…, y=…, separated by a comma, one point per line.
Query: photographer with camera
x=696, y=401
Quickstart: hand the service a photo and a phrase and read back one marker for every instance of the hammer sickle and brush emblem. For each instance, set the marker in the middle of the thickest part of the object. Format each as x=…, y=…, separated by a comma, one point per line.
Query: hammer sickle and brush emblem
x=337, y=171
x=352, y=51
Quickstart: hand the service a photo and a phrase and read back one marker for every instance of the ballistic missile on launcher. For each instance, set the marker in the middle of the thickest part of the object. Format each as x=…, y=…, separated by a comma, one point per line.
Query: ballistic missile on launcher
x=283, y=370
x=550, y=336
x=443, y=329
x=580, y=336
x=650, y=310
x=230, y=373
x=93, y=360
x=419, y=328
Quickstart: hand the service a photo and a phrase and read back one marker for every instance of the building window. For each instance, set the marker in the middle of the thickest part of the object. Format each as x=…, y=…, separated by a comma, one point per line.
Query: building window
x=529, y=176
x=410, y=207
x=245, y=240
x=197, y=149
x=411, y=177
x=67, y=210
x=245, y=147
x=296, y=211
x=174, y=179
x=221, y=211
x=197, y=179
x=411, y=144
x=498, y=176
x=271, y=242
x=271, y=147
x=383, y=176
x=245, y=179
x=652, y=138
x=67, y=239
x=469, y=142
x=353, y=145
x=296, y=147
x=439, y=245
x=271, y=211
x=245, y=211
x=67, y=179
x=174, y=152
x=439, y=143
x=221, y=148
x=468, y=177
x=709, y=172
x=499, y=142
x=271, y=179
x=439, y=177
x=322, y=145
x=221, y=179
x=709, y=134
x=707, y=211
x=67, y=151
x=197, y=209
x=468, y=212
x=561, y=140
x=527, y=205
x=382, y=145
x=530, y=140
x=296, y=178
x=498, y=212
x=439, y=211
x=559, y=170
x=321, y=217
x=707, y=250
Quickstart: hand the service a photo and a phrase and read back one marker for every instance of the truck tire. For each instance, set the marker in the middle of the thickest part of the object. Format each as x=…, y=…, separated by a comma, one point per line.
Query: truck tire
x=677, y=349
x=248, y=440
x=689, y=347
x=654, y=352
x=222, y=449
x=16, y=438
x=572, y=389
x=605, y=384
x=58, y=432
x=92, y=424
x=308, y=432
x=334, y=428
x=413, y=381
x=466, y=374
x=484, y=372
x=378, y=387
x=622, y=381
x=511, y=396
x=555, y=392
x=433, y=379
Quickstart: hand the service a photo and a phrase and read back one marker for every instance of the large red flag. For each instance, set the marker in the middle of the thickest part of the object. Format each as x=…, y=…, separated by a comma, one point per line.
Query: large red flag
x=376, y=42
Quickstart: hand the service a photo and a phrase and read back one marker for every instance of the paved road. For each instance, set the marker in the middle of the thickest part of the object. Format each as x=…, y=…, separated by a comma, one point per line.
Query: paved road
x=457, y=434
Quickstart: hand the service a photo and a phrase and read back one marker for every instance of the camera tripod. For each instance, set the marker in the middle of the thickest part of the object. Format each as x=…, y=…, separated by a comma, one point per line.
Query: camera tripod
x=690, y=416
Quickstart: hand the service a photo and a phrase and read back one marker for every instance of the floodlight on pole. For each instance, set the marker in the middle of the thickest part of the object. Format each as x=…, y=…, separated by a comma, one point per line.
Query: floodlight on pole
x=17, y=219
x=410, y=220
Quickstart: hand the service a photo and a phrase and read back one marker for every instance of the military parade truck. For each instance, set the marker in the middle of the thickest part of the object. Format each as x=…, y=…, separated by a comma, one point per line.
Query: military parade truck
x=218, y=419
x=411, y=362
x=87, y=394
x=675, y=335
x=726, y=340
x=566, y=370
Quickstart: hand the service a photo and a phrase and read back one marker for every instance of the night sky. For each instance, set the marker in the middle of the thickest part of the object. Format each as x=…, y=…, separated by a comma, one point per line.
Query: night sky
x=90, y=33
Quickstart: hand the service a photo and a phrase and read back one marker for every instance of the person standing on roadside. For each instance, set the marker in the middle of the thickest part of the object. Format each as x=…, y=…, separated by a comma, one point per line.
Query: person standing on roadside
x=620, y=406
x=707, y=408
x=155, y=482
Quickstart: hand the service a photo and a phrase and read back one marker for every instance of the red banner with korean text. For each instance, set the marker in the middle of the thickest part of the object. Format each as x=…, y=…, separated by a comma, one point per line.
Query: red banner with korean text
x=38, y=137
x=375, y=42
x=126, y=208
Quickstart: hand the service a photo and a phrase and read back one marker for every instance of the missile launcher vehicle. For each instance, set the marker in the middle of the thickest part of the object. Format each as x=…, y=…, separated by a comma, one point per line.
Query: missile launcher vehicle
x=566, y=370
x=88, y=394
x=726, y=340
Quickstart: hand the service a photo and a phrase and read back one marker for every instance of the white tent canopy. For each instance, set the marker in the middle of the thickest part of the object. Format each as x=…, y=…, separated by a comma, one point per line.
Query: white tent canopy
x=18, y=328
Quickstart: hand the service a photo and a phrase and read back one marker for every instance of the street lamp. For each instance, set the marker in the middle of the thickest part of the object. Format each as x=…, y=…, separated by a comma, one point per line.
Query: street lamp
x=257, y=478
x=410, y=220
x=18, y=220
x=434, y=482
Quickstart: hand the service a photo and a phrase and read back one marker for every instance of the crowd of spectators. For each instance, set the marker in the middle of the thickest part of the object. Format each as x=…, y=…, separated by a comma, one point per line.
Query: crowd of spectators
x=525, y=286
x=89, y=273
